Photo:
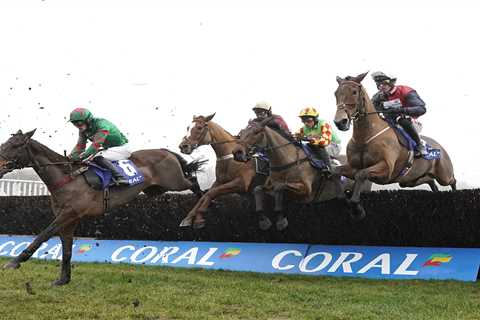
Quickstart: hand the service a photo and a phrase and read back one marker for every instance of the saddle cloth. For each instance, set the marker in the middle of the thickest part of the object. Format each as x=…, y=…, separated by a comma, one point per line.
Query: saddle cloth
x=410, y=144
x=100, y=178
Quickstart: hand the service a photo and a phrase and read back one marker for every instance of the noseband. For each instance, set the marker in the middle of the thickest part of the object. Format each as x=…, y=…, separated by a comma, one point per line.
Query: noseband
x=203, y=134
x=360, y=108
x=15, y=164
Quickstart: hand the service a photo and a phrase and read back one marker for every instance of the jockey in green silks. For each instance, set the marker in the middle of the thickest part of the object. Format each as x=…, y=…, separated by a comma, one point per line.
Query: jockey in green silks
x=108, y=142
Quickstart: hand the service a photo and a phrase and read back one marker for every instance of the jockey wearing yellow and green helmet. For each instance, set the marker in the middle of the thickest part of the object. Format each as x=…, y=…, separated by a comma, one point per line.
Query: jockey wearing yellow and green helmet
x=322, y=138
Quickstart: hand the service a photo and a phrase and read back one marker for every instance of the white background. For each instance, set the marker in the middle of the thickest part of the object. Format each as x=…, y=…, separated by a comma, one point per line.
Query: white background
x=149, y=66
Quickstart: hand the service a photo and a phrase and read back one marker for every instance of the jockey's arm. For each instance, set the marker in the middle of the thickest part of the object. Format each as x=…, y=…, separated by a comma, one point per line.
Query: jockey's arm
x=299, y=134
x=79, y=147
x=415, y=106
x=325, y=137
x=378, y=99
x=281, y=124
x=97, y=143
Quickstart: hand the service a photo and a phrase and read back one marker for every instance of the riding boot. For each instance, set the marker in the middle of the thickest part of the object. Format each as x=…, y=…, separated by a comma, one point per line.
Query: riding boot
x=117, y=176
x=323, y=155
x=407, y=125
x=195, y=186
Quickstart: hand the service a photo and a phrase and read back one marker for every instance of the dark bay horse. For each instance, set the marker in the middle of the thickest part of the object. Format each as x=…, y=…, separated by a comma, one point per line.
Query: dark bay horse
x=72, y=198
x=292, y=177
x=374, y=152
x=231, y=176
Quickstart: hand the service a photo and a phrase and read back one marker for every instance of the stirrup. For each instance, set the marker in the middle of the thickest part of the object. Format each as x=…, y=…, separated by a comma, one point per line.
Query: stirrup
x=120, y=181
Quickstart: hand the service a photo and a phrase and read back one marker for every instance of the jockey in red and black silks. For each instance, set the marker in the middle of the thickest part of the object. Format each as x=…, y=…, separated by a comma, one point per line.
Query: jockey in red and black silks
x=400, y=104
x=263, y=110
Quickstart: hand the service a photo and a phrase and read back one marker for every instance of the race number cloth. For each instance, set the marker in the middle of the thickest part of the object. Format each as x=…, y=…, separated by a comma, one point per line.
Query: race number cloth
x=128, y=169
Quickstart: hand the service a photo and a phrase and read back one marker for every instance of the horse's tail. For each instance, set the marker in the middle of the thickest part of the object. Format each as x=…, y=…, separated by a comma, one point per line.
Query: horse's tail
x=189, y=168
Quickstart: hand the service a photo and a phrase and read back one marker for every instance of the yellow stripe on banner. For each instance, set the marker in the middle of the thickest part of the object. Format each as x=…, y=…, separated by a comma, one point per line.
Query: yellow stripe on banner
x=442, y=259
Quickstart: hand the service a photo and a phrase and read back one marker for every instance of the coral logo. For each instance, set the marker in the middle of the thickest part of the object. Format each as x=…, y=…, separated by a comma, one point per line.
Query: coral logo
x=84, y=248
x=230, y=252
x=436, y=259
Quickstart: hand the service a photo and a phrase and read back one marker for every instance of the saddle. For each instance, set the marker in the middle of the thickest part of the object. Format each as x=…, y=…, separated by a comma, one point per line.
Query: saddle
x=407, y=142
x=314, y=161
x=262, y=163
x=99, y=178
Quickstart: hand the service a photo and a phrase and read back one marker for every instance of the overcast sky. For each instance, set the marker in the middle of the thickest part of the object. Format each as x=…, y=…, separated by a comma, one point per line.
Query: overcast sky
x=149, y=66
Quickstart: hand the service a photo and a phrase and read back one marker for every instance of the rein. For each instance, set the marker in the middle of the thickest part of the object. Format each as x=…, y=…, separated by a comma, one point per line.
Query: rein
x=288, y=165
x=32, y=162
x=203, y=134
x=360, y=111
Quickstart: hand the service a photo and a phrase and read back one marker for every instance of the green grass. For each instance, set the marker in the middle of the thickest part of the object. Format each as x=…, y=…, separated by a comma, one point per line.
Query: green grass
x=100, y=291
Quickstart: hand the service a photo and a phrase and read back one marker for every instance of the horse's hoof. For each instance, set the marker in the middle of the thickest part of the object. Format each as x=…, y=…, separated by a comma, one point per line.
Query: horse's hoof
x=348, y=193
x=358, y=213
x=60, y=282
x=264, y=223
x=187, y=222
x=11, y=265
x=199, y=225
x=282, y=223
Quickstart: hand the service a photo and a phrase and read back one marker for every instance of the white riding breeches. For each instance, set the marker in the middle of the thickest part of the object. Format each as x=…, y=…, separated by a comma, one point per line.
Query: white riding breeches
x=115, y=153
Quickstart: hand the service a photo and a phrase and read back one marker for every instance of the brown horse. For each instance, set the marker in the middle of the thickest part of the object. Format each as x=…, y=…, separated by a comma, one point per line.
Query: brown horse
x=72, y=198
x=292, y=176
x=374, y=152
x=231, y=176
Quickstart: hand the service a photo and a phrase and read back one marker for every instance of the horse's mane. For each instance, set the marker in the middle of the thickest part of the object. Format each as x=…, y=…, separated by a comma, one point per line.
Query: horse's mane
x=52, y=155
x=220, y=127
x=274, y=127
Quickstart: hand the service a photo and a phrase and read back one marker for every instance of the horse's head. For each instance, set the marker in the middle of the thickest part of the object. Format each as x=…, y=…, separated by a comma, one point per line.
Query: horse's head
x=349, y=98
x=250, y=137
x=14, y=153
x=197, y=134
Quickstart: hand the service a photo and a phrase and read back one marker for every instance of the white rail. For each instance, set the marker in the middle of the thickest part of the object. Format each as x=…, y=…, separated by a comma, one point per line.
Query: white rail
x=12, y=187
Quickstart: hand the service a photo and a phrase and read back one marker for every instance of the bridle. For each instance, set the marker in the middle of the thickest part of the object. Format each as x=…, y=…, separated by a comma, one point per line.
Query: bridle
x=14, y=164
x=360, y=105
x=253, y=149
x=360, y=111
x=203, y=134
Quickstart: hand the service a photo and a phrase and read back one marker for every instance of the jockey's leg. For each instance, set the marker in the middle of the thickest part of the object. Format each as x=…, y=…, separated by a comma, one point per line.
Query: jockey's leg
x=105, y=163
x=323, y=155
x=408, y=126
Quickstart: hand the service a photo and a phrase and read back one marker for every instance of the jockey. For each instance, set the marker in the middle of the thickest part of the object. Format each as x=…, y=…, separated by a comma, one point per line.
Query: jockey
x=263, y=110
x=400, y=104
x=321, y=137
x=103, y=134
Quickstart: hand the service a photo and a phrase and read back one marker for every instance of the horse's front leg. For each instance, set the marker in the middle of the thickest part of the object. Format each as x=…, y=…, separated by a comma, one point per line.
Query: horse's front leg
x=380, y=171
x=67, y=242
x=263, y=221
x=53, y=228
x=344, y=170
x=279, y=195
x=204, y=201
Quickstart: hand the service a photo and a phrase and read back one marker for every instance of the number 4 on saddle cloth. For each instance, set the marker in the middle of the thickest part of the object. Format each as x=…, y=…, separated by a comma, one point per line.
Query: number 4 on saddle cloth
x=100, y=178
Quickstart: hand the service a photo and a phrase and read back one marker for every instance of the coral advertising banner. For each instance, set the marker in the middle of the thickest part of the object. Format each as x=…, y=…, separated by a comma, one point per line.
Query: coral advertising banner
x=316, y=260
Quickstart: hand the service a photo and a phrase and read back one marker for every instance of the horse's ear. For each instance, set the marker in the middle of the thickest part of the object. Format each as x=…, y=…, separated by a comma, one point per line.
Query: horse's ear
x=339, y=80
x=210, y=117
x=29, y=134
x=19, y=132
x=360, y=77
